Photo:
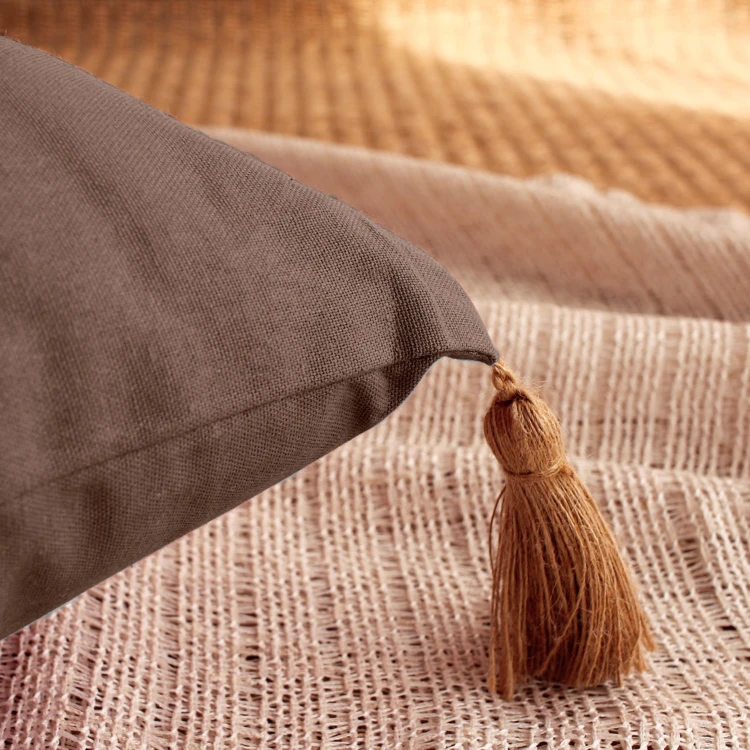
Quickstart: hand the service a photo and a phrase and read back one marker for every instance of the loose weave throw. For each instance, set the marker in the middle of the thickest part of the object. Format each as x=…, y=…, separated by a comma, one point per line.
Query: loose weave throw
x=348, y=606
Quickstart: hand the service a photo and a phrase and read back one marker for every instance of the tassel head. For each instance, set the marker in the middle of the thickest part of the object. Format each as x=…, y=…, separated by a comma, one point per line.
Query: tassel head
x=564, y=607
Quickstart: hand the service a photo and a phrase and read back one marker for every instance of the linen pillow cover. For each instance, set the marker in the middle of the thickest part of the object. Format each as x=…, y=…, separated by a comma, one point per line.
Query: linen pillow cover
x=181, y=327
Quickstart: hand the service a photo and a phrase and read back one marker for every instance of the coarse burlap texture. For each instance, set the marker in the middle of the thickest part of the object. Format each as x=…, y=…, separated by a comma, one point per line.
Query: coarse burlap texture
x=347, y=607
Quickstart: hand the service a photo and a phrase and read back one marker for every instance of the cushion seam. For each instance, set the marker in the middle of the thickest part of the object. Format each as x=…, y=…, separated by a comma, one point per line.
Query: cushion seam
x=479, y=355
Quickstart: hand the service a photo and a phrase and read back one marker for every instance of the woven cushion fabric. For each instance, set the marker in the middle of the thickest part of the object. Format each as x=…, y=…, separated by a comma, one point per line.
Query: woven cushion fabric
x=181, y=327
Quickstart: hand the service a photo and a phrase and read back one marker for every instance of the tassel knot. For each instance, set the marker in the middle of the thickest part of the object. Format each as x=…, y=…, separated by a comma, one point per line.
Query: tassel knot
x=504, y=382
x=521, y=429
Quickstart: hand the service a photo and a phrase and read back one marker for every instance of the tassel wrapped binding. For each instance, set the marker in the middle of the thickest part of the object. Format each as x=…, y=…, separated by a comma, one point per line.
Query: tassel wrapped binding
x=564, y=607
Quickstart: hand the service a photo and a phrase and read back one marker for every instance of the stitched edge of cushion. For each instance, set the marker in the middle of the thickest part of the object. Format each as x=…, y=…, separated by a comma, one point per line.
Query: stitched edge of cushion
x=471, y=355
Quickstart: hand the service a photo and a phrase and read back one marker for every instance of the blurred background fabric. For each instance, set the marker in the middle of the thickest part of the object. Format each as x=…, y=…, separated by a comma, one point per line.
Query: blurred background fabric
x=583, y=169
x=649, y=96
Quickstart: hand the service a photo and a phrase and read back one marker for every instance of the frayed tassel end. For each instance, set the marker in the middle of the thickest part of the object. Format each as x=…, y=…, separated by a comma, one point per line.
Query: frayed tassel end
x=564, y=607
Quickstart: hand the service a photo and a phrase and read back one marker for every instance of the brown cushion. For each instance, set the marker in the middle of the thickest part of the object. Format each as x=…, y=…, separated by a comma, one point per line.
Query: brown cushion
x=181, y=326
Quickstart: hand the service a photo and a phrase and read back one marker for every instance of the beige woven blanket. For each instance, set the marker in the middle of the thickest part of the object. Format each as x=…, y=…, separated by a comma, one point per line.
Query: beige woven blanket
x=348, y=606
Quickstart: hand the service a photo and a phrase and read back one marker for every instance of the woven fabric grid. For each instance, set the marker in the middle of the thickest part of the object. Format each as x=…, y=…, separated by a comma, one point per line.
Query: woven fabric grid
x=347, y=607
x=648, y=97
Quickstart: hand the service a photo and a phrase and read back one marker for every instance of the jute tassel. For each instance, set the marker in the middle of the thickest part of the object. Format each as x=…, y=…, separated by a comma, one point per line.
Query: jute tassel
x=563, y=605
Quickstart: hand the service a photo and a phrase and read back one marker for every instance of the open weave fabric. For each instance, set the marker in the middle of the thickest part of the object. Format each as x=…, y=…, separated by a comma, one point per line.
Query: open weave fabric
x=348, y=606
x=652, y=97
